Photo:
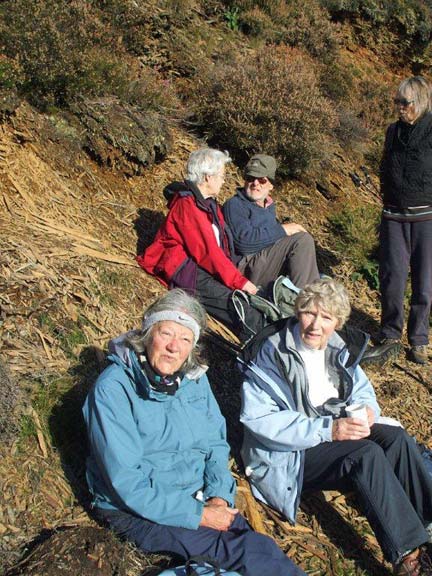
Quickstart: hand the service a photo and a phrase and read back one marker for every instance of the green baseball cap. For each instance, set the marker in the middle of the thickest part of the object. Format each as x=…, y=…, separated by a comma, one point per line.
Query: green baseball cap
x=261, y=166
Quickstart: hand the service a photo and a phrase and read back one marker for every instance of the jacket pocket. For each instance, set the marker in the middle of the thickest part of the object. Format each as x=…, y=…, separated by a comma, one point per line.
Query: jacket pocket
x=276, y=477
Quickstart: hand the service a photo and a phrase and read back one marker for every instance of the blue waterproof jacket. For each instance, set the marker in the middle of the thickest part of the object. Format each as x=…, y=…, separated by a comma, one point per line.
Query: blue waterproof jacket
x=279, y=420
x=150, y=453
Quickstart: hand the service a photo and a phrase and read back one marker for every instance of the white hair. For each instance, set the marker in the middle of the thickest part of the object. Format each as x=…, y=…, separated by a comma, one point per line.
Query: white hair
x=205, y=162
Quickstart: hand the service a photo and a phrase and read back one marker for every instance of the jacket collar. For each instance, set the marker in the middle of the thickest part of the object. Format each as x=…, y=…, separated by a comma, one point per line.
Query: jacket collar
x=352, y=339
x=240, y=191
x=126, y=358
x=186, y=188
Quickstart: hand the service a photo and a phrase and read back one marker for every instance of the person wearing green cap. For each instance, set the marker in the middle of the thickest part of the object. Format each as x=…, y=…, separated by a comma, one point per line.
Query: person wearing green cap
x=267, y=247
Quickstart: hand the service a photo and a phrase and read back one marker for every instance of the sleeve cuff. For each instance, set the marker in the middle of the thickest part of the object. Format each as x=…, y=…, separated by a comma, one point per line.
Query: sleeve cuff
x=327, y=429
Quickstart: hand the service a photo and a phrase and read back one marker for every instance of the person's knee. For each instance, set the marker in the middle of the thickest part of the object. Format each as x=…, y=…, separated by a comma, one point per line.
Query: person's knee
x=305, y=240
x=367, y=451
x=395, y=435
x=264, y=545
x=400, y=437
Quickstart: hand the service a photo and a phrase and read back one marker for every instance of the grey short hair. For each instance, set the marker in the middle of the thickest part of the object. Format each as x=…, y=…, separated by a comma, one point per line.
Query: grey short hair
x=205, y=162
x=328, y=295
x=179, y=301
x=418, y=89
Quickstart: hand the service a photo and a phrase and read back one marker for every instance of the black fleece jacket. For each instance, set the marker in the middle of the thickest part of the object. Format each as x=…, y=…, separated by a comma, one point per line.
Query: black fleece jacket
x=406, y=167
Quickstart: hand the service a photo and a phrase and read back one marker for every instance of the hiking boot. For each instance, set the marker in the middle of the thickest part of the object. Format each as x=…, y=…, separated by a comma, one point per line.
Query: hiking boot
x=425, y=563
x=418, y=354
x=409, y=565
x=386, y=349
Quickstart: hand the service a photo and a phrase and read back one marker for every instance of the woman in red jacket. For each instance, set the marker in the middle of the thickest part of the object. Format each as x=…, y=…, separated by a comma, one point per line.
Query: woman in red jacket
x=193, y=249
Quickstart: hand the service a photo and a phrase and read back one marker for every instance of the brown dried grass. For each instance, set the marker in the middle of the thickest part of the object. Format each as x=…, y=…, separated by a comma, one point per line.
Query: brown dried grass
x=68, y=282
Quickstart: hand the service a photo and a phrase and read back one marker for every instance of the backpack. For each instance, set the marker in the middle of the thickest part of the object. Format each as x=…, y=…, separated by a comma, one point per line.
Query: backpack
x=197, y=566
x=279, y=305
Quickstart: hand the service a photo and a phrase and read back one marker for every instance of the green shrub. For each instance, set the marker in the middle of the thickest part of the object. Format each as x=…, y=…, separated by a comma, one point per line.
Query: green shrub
x=269, y=102
x=10, y=74
x=403, y=26
x=232, y=18
x=256, y=23
x=355, y=237
x=337, y=81
x=301, y=24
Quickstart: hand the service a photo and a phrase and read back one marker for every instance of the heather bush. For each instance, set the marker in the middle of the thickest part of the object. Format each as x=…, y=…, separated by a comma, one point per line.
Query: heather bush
x=302, y=24
x=151, y=92
x=139, y=23
x=271, y=102
x=374, y=153
x=256, y=23
x=307, y=25
x=10, y=74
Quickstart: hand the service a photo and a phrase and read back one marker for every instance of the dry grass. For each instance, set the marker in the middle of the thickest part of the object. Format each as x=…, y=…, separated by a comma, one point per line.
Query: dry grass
x=68, y=282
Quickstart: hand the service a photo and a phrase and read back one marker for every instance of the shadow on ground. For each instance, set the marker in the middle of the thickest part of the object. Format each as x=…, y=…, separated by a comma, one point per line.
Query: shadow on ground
x=146, y=225
x=341, y=533
x=67, y=424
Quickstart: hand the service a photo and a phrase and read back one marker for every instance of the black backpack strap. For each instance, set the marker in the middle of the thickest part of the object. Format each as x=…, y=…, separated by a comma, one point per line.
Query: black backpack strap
x=250, y=351
x=356, y=341
x=201, y=561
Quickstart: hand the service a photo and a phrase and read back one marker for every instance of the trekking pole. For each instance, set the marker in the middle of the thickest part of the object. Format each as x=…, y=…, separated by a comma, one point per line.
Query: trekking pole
x=370, y=183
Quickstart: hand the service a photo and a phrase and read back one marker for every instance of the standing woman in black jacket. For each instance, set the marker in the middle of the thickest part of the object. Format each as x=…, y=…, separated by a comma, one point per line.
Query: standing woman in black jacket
x=406, y=225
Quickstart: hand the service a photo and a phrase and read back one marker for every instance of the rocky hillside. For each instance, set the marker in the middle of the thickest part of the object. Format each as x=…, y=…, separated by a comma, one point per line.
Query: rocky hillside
x=81, y=179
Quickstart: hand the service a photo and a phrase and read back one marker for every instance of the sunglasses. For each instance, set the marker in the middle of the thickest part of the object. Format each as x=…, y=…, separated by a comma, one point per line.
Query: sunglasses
x=262, y=180
x=403, y=102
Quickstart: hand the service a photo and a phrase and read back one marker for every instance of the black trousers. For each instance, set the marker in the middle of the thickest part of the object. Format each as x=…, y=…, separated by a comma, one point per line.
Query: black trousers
x=405, y=247
x=216, y=299
x=387, y=473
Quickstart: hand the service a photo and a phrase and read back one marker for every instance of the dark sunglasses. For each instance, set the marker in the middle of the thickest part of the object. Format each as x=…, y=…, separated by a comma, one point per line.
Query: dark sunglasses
x=262, y=180
x=402, y=102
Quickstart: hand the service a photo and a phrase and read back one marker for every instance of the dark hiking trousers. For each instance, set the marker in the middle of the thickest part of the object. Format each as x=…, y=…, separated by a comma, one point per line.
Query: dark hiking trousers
x=387, y=473
x=293, y=256
x=405, y=246
x=239, y=548
x=216, y=299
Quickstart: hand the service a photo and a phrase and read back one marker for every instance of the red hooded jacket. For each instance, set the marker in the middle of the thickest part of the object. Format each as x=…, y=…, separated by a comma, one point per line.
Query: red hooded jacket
x=187, y=235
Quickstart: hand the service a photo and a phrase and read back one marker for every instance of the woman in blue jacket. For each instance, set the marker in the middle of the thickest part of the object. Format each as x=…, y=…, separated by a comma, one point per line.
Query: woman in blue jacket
x=299, y=380
x=158, y=453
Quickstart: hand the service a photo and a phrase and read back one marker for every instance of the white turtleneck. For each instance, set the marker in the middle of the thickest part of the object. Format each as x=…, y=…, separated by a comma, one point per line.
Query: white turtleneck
x=320, y=385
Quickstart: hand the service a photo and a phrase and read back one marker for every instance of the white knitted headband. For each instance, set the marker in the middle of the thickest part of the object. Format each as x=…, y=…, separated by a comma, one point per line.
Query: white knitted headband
x=179, y=317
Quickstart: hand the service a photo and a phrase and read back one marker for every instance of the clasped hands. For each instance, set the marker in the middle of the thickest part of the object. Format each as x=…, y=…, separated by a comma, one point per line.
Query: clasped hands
x=217, y=514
